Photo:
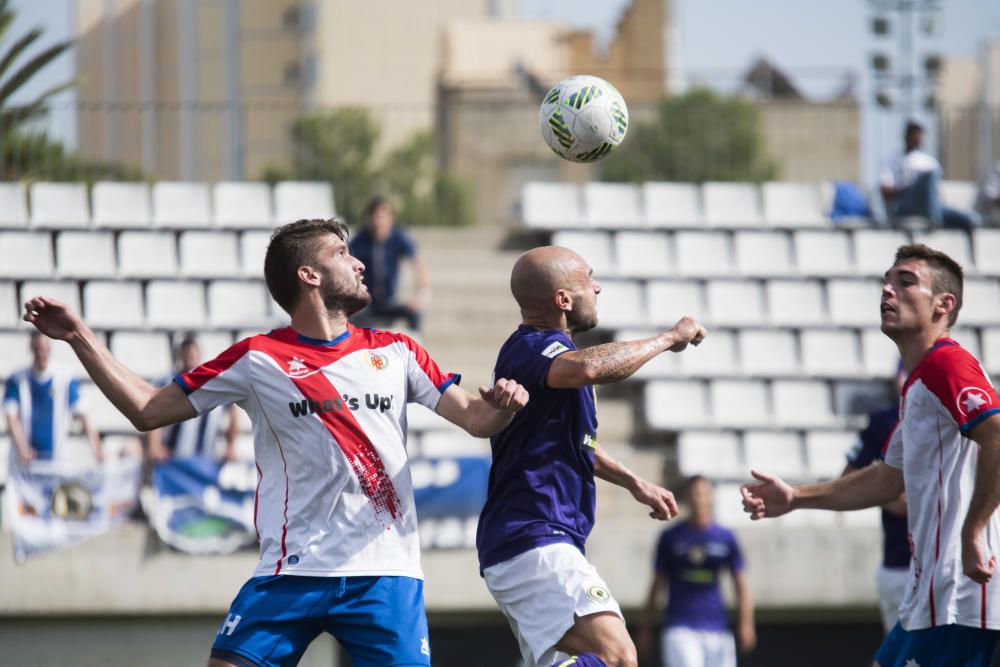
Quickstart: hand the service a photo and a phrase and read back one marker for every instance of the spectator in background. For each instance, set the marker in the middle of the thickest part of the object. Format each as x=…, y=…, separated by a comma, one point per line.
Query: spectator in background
x=196, y=436
x=989, y=195
x=690, y=557
x=381, y=246
x=909, y=185
x=40, y=402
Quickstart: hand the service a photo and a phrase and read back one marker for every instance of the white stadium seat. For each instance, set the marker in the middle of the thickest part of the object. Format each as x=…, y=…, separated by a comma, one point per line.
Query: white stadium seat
x=968, y=339
x=551, y=205
x=735, y=302
x=952, y=242
x=980, y=302
x=667, y=301
x=854, y=302
x=959, y=194
x=253, y=248
x=715, y=357
x=714, y=454
x=880, y=356
x=104, y=416
x=242, y=204
x=593, y=246
x=701, y=254
x=209, y=254
x=986, y=247
x=830, y=353
x=823, y=253
x=802, y=403
x=643, y=254
x=212, y=343
x=237, y=303
x=147, y=254
x=179, y=205
x=10, y=309
x=874, y=250
x=611, y=205
x=671, y=404
x=620, y=304
x=991, y=353
x=732, y=205
x=763, y=254
x=452, y=442
x=14, y=354
x=146, y=354
x=739, y=403
x=175, y=305
x=113, y=305
x=870, y=518
x=775, y=453
x=768, y=352
x=13, y=205
x=792, y=205
x=85, y=254
x=121, y=205
x=796, y=302
x=727, y=506
x=26, y=254
x=297, y=200
x=68, y=292
x=661, y=366
x=419, y=418
x=59, y=205
x=672, y=205
x=826, y=452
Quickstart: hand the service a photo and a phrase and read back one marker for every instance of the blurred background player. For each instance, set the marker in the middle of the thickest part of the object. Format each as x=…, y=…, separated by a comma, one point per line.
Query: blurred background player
x=690, y=558
x=541, y=499
x=945, y=452
x=40, y=402
x=382, y=246
x=909, y=184
x=197, y=436
x=894, y=571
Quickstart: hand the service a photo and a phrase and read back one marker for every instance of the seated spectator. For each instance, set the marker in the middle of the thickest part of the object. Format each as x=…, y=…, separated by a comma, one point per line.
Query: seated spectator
x=40, y=402
x=381, y=246
x=909, y=184
x=989, y=195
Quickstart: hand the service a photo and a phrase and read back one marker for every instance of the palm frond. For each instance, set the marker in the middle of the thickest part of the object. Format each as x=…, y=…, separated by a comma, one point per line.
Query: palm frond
x=29, y=69
x=16, y=49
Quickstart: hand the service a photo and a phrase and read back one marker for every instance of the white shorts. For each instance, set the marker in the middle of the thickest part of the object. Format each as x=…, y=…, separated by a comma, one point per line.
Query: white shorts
x=542, y=592
x=687, y=647
x=891, y=583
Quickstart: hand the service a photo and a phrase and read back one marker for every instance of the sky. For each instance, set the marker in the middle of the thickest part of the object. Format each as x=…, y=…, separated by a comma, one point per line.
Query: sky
x=815, y=41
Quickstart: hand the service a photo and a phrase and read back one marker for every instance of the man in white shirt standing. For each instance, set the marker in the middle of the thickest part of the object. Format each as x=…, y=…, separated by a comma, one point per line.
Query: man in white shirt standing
x=946, y=449
x=909, y=186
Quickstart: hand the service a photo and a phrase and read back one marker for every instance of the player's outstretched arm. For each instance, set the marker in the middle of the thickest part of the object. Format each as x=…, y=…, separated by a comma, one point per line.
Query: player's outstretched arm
x=487, y=414
x=612, y=362
x=985, y=498
x=772, y=497
x=144, y=405
x=660, y=500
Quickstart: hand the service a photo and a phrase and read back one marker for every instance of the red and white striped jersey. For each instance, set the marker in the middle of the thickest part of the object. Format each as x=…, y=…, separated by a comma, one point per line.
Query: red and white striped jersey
x=334, y=495
x=946, y=395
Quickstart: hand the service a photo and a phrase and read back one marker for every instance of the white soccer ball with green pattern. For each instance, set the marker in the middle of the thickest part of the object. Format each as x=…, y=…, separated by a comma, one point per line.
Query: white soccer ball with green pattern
x=583, y=118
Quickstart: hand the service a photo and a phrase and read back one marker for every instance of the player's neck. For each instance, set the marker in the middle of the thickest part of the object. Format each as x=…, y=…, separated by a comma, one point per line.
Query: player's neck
x=320, y=326
x=913, y=348
x=546, y=322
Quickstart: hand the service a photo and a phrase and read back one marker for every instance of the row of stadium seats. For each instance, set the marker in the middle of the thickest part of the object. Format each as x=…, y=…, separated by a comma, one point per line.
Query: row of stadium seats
x=729, y=455
x=762, y=253
x=623, y=205
x=133, y=254
x=729, y=512
x=761, y=303
x=165, y=204
x=808, y=353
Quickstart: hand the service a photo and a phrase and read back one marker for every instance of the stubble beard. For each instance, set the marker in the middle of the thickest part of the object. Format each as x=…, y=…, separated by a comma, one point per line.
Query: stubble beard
x=344, y=296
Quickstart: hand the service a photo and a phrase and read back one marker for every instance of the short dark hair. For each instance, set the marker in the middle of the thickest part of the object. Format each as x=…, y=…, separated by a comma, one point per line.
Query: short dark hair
x=947, y=276
x=373, y=205
x=187, y=340
x=912, y=126
x=691, y=481
x=291, y=246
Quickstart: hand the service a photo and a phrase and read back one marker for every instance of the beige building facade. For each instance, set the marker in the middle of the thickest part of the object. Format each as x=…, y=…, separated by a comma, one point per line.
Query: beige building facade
x=968, y=95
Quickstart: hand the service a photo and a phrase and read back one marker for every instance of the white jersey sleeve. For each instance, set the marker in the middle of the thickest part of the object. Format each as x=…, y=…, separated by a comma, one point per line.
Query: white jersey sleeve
x=221, y=381
x=425, y=381
x=894, y=450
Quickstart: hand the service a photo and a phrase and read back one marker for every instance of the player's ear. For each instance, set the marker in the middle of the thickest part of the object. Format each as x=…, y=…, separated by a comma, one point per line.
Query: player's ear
x=309, y=275
x=563, y=299
x=944, y=304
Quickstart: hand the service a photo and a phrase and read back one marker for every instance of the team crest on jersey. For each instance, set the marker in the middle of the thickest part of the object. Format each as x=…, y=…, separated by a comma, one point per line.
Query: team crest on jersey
x=377, y=360
x=598, y=594
x=297, y=368
x=696, y=554
x=971, y=399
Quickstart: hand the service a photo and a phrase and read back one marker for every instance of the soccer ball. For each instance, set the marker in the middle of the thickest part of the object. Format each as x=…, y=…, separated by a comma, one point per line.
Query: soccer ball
x=583, y=118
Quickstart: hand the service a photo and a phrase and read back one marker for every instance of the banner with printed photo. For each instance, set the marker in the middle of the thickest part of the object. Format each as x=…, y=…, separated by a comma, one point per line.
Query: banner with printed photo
x=449, y=492
x=52, y=505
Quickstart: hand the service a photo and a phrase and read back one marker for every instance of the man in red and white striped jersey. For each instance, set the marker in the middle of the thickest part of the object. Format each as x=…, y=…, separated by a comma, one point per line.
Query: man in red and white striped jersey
x=946, y=449
x=334, y=505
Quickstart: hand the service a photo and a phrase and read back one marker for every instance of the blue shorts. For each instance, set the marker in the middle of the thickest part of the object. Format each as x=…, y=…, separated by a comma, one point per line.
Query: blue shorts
x=952, y=645
x=380, y=621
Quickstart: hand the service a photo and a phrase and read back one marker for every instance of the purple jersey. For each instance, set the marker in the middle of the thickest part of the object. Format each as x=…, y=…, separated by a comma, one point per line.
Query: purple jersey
x=541, y=488
x=691, y=559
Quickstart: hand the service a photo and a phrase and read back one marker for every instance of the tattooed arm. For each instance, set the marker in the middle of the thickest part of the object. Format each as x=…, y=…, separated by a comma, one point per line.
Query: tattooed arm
x=611, y=362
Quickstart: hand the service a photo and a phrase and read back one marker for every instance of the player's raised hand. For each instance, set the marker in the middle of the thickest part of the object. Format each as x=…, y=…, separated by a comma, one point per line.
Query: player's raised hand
x=505, y=395
x=771, y=498
x=662, y=502
x=687, y=331
x=975, y=563
x=51, y=317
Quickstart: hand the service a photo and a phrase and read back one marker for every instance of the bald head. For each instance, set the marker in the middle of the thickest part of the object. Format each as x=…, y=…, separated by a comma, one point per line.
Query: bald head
x=540, y=272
